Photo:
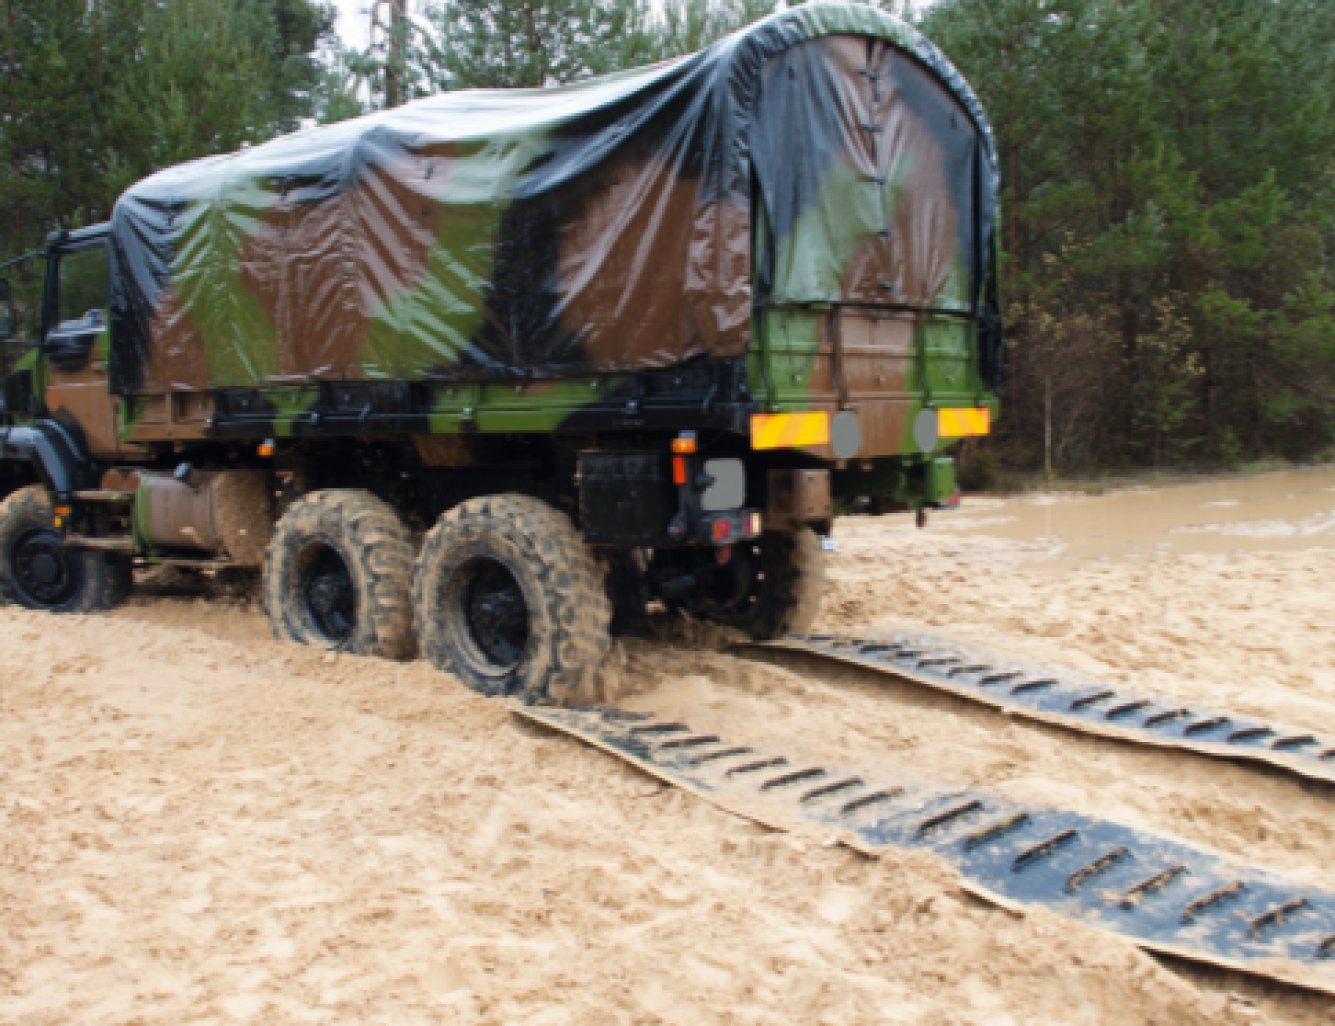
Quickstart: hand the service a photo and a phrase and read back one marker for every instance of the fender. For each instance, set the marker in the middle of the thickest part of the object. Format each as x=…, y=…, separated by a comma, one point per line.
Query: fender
x=58, y=458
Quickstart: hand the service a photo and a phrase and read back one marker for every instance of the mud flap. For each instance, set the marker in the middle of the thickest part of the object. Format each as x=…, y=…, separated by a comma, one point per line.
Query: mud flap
x=1162, y=895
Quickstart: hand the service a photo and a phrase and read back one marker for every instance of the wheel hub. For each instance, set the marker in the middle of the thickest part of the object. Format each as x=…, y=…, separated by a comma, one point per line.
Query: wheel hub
x=331, y=594
x=497, y=614
x=328, y=594
x=43, y=570
x=46, y=568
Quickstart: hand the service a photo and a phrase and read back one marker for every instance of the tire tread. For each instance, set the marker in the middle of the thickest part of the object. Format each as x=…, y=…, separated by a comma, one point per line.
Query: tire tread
x=570, y=582
x=378, y=540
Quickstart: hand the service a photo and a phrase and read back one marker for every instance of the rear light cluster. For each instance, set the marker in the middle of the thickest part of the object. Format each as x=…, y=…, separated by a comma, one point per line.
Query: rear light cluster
x=719, y=529
x=682, y=446
x=726, y=528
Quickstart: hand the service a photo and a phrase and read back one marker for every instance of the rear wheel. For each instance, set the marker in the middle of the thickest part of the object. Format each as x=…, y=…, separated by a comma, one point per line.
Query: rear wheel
x=38, y=571
x=775, y=587
x=508, y=599
x=338, y=575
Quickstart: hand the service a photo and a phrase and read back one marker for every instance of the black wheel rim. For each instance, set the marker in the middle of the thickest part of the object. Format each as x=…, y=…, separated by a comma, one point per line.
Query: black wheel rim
x=496, y=612
x=43, y=569
x=735, y=590
x=326, y=593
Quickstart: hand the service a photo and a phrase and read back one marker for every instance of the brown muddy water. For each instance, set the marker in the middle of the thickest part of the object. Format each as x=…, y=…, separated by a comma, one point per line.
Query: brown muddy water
x=1271, y=512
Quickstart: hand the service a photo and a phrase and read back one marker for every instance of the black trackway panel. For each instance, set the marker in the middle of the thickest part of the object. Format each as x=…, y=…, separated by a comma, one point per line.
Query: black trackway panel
x=1161, y=894
x=1057, y=695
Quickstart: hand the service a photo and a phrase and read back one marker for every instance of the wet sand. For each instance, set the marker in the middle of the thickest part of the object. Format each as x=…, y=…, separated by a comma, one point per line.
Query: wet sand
x=198, y=824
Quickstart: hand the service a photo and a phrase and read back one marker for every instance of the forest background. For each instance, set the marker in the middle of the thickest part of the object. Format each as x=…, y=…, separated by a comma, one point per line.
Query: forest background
x=1168, y=173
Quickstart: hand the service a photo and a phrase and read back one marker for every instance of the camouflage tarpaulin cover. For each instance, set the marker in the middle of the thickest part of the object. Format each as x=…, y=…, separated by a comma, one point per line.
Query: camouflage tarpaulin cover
x=600, y=227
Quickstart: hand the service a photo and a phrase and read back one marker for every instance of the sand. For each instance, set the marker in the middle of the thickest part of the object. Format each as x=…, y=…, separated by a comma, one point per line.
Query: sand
x=198, y=824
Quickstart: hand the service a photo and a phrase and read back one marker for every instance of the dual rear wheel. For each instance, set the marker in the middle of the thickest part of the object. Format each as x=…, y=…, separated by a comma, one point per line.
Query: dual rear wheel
x=504, y=594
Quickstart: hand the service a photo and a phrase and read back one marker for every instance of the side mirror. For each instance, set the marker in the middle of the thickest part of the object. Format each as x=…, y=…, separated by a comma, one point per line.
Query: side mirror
x=8, y=323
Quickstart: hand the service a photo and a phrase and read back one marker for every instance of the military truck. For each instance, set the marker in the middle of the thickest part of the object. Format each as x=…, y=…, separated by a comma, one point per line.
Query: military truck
x=487, y=375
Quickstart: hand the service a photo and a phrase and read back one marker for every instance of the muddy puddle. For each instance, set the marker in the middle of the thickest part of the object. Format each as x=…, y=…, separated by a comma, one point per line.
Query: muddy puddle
x=1284, y=510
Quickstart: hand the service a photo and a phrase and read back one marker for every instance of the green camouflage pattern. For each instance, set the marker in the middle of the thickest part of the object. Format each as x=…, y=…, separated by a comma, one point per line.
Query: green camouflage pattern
x=520, y=256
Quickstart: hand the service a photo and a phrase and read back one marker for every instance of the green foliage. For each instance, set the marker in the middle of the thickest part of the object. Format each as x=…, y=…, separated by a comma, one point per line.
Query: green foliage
x=342, y=80
x=502, y=44
x=496, y=44
x=1168, y=197
x=687, y=26
x=168, y=107
x=96, y=94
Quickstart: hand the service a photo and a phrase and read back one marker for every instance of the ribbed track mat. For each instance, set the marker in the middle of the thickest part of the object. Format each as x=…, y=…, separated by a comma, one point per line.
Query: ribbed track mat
x=1163, y=895
x=1055, y=695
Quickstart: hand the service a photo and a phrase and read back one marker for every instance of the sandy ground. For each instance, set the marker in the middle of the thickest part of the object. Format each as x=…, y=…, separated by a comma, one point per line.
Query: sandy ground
x=198, y=824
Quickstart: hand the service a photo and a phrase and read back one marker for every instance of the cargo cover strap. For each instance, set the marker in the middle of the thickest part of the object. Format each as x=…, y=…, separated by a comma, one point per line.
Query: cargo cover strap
x=1163, y=895
x=1052, y=694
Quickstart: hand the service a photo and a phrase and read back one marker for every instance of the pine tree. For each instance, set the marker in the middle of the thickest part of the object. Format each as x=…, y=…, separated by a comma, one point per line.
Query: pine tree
x=97, y=93
x=1167, y=199
x=202, y=85
x=531, y=43
x=688, y=26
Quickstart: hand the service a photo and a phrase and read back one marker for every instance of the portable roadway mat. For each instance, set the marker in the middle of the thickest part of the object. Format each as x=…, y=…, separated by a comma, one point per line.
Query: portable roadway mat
x=1057, y=695
x=1162, y=894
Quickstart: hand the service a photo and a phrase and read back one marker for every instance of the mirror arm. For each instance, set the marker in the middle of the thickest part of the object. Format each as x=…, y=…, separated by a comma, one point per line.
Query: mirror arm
x=19, y=260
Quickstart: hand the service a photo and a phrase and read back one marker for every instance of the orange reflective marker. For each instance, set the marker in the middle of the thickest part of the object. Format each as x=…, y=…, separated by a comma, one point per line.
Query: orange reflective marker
x=789, y=430
x=964, y=423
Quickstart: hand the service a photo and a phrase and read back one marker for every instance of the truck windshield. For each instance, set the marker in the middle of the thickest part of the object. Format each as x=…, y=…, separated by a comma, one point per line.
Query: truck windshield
x=81, y=296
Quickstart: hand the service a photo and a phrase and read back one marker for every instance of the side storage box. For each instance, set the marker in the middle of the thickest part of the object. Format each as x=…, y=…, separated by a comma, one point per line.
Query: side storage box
x=625, y=498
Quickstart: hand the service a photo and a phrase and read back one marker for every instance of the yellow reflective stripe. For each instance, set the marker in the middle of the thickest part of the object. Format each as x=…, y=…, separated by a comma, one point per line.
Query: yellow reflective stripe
x=789, y=430
x=963, y=423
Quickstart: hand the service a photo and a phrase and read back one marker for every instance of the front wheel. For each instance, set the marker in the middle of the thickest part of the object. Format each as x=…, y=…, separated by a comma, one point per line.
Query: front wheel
x=508, y=599
x=38, y=571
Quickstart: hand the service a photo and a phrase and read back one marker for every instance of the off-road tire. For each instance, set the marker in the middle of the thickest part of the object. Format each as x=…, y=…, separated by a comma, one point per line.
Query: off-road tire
x=788, y=598
x=376, y=549
x=568, y=611
x=97, y=580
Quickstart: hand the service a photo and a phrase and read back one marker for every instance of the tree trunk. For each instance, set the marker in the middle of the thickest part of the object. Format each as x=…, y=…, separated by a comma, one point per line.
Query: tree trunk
x=1047, y=427
x=395, y=63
